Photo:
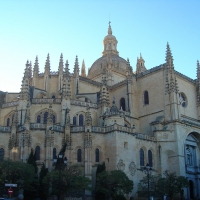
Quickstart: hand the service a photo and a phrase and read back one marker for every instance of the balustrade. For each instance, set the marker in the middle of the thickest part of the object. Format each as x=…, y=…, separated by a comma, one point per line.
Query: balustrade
x=5, y=129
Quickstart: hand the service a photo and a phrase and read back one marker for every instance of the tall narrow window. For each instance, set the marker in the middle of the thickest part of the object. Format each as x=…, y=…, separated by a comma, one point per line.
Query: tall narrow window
x=141, y=157
x=79, y=155
x=54, y=153
x=45, y=117
x=37, y=153
x=8, y=122
x=122, y=104
x=80, y=120
x=74, y=120
x=97, y=155
x=38, y=119
x=150, y=161
x=146, y=98
x=1, y=154
x=54, y=119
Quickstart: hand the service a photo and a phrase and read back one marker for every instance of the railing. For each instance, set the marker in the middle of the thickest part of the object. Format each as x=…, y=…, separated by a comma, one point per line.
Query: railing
x=5, y=129
x=10, y=104
x=190, y=120
x=145, y=137
x=97, y=129
x=58, y=128
x=37, y=126
x=82, y=103
x=43, y=101
x=76, y=129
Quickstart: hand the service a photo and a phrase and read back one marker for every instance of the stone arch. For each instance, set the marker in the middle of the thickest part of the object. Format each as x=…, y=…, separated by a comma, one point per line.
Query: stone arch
x=142, y=159
x=100, y=154
x=9, y=116
x=122, y=103
x=41, y=150
x=77, y=117
x=42, y=115
x=76, y=154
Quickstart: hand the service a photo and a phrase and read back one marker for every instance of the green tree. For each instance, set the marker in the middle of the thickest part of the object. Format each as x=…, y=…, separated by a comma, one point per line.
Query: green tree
x=100, y=168
x=18, y=173
x=171, y=184
x=113, y=183
x=41, y=188
x=32, y=160
x=153, y=185
x=71, y=181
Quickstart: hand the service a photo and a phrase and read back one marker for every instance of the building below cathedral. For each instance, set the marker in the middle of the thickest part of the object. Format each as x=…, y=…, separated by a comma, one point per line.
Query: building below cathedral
x=111, y=114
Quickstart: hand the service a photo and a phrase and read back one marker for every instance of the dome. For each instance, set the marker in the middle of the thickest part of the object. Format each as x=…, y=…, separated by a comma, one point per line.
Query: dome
x=110, y=60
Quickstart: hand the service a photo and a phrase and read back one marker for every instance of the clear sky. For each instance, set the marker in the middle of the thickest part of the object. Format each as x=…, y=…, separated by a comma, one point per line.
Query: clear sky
x=38, y=27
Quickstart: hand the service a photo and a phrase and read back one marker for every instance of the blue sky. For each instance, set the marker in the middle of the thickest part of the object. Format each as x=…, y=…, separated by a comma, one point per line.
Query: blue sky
x=30, y=28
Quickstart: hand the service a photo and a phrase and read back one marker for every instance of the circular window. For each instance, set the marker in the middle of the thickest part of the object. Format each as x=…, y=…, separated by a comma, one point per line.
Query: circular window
x=183, y=100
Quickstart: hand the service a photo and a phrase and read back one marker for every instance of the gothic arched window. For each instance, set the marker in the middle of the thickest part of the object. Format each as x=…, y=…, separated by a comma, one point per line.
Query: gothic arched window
x=97, y=155
x=54, y=153
x=141, y=157
x=122, y=104
x=1, y=154
x=53, y=97
x=8, y=122
x=37, y=152
x=150, y=160
x=38, y=119
x=45, y=117
x=80, y=120
x=74, y=120
x=79, y=155
x=146, y=98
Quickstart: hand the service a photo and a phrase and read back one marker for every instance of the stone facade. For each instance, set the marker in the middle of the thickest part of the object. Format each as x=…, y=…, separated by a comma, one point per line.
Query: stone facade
x=112, y=114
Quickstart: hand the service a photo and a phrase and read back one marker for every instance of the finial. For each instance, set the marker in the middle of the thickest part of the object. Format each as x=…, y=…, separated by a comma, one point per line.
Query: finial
x=140, y=56
x=109, y=29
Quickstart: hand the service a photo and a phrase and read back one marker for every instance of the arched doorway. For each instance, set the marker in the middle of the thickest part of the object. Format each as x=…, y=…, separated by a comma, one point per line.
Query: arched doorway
x=191, y=188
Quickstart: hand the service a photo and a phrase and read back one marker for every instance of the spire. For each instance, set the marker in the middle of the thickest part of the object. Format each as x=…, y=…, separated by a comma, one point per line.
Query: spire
x=169, y=57
x=36, y=67
x=47, y=65
x=24, y=94
x=30, y=70
x=128, y=68
x=110, y=43
x=171, y=84
x=140, y=67
x=60, y=69
x=83, y=73
x=109, y=29
x=66, y=89
x=76, y=68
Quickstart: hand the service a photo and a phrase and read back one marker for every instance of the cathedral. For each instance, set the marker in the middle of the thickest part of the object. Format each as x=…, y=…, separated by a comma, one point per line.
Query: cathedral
x=110, y=114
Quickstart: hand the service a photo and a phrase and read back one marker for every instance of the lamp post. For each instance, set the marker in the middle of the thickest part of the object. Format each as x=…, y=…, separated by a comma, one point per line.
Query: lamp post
x=147, y=170
x=60, y=161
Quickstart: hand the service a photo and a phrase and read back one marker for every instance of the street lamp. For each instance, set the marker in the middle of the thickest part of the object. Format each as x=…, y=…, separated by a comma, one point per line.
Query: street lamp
x=60, y=161
x=147, y=170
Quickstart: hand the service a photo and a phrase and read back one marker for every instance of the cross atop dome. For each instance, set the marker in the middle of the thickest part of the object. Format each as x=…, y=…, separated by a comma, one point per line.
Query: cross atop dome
x=109, y=29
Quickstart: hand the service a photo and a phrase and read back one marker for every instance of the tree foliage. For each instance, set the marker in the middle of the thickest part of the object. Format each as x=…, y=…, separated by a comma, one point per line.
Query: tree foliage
x=153, y=185
x=113, y=183
x=71, y=181
x=18, y=173
x=170, y=184
x=32, y=160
